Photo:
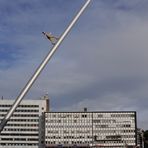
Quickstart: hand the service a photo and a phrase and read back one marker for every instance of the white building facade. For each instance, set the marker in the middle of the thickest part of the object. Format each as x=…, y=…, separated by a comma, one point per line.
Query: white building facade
x=87, y=129
x=26, y=126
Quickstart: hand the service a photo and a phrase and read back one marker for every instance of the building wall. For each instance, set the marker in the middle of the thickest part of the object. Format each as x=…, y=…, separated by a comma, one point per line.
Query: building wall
x=68, y=128
x=114, y=129
x=84, y=129
x=26, y=127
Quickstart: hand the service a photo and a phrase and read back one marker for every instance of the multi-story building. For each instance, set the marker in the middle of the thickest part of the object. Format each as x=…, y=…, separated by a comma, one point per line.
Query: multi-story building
x=87, y=129
x=25, y=129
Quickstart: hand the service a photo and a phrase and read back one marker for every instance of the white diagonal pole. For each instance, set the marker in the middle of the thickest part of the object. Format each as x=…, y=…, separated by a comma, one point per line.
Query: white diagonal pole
x=41, y=67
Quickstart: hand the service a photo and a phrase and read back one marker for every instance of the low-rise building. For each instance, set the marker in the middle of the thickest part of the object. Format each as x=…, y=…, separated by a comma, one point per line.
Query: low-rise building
x=87, y=129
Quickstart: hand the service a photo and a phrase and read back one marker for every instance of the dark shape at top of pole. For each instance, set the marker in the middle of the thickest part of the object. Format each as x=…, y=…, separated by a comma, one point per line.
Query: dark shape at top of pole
x=41, y=67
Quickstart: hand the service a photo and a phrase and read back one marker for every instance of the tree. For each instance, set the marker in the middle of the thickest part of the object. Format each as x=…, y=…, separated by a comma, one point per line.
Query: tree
x=145, y=136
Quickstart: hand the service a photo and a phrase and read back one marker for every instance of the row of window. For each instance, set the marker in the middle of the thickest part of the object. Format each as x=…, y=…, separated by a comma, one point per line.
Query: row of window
x=83, y=126
x=65, y=115
x=21, y=115
x=69, y=137
x=19, y=134
x=68, y=142
x=114, y=115
x=19, y=144
x=107, y=143
x=19, y=110
x=122, y=115
x=29, y=106
x=76, y=136
x=20, y=139
x=19, y=129
x=115, y=141
x=25, y=115
x=69, y=132
x=88, y=121
x=113, y=131
x=88, y=142
x=57, y=119
x=86, y=116
x=69, y=126
x=108, y=125
x=24, y=120
x=88, y=132
x=125, y=121
x=26, y=125
x=112, y=137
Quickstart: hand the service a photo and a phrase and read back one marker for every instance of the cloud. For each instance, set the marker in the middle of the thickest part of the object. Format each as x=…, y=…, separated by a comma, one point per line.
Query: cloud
x=102, y=64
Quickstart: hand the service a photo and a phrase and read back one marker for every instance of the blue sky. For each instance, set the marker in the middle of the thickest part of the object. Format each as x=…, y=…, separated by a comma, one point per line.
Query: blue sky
x=102, y=64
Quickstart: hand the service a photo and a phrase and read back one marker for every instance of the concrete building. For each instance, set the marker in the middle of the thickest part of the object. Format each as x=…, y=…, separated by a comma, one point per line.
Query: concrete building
x=87, y=129
x=26, y=127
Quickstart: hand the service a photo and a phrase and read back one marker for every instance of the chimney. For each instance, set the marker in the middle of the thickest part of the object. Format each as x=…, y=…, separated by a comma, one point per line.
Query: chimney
x=85, y=109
